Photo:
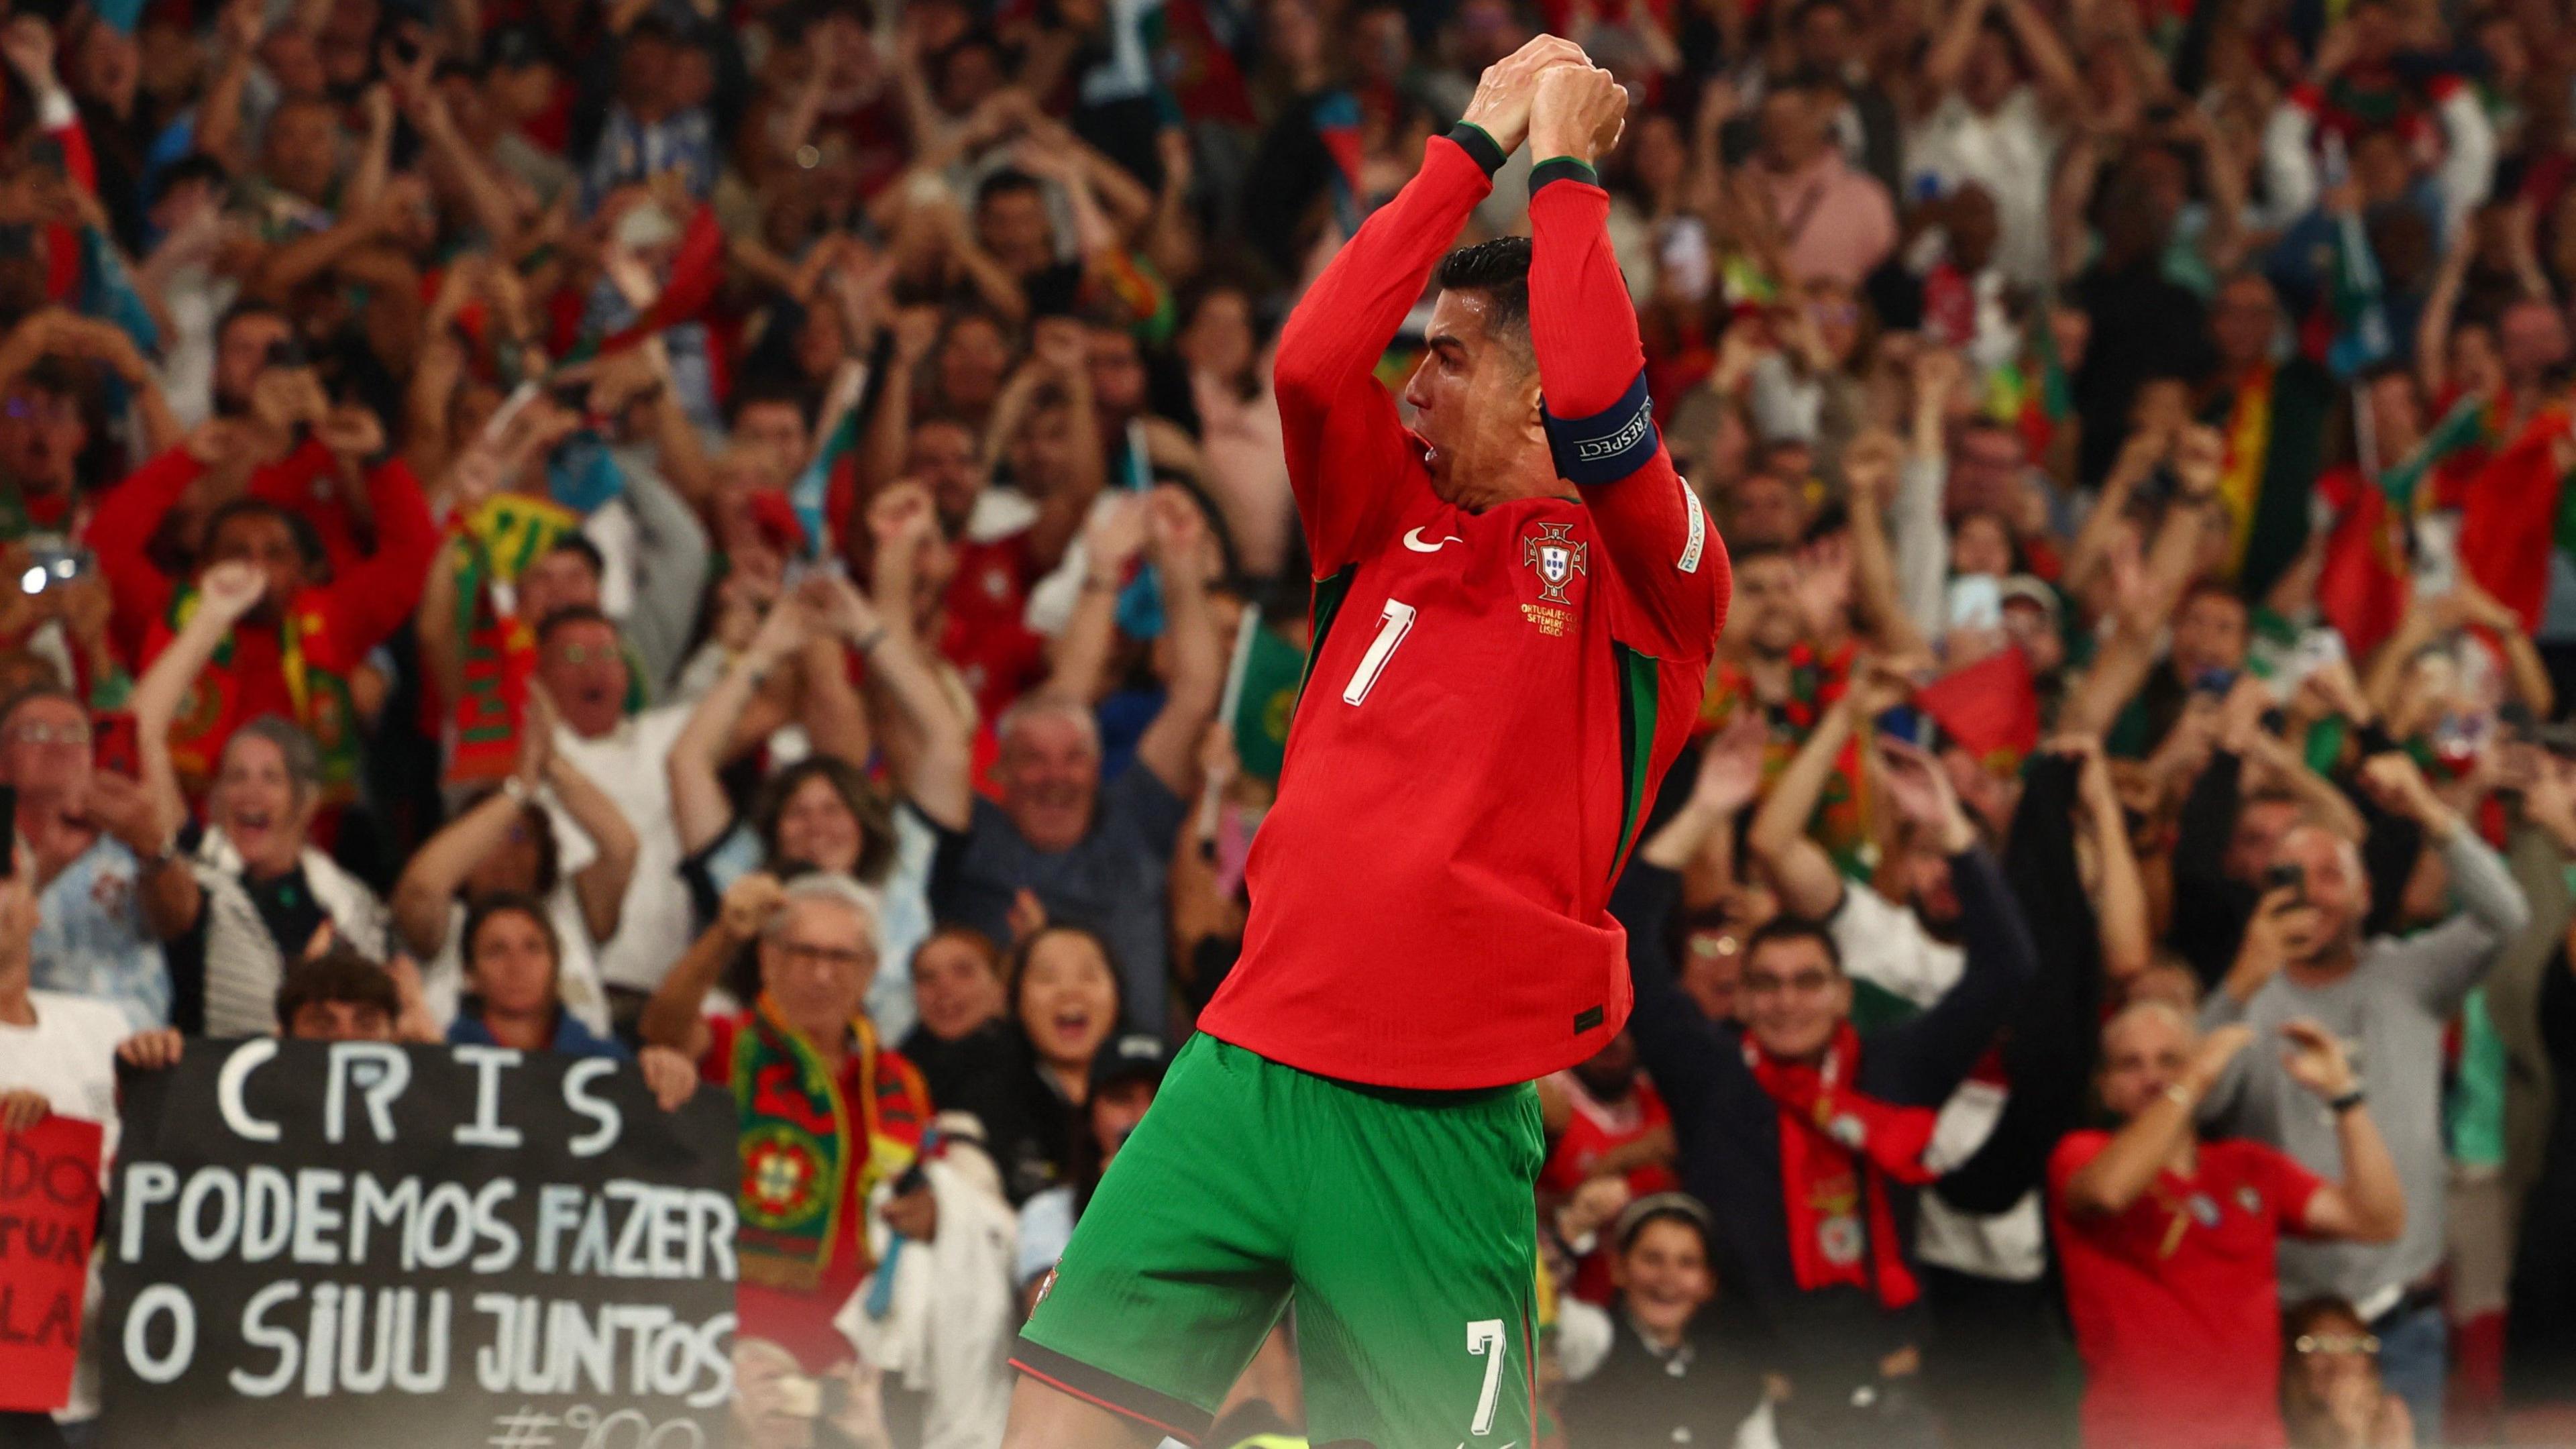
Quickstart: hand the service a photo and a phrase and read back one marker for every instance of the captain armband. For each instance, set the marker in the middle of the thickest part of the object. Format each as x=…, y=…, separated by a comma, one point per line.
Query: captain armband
x=1607, y=446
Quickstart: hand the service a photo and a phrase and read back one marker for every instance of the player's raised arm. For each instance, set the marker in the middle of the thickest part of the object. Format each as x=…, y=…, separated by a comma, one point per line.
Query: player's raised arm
x=1592, y=372
x=1344, y=441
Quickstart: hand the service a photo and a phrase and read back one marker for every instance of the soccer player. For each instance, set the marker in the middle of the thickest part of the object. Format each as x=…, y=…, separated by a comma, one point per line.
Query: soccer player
x=1515, y=606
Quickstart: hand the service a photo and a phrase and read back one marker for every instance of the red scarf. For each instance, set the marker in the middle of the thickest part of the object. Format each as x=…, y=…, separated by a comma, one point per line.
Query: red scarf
x=1822, y=1122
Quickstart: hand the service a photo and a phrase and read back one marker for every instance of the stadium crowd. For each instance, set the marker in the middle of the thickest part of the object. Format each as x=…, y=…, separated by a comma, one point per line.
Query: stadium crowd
x=757, y=534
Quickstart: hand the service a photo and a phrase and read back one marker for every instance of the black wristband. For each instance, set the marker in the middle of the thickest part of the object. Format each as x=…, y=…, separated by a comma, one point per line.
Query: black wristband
x=2345, y=1103
x=1562, y=168
x=1472, y=139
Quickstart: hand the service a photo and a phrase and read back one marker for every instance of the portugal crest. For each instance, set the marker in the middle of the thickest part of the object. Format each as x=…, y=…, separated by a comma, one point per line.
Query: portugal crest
x=1556, y=557
x=782, y=1179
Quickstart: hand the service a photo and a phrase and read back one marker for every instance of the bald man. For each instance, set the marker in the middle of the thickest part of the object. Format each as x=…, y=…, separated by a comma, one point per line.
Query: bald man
x=2389, y=999
x=2167, y=1241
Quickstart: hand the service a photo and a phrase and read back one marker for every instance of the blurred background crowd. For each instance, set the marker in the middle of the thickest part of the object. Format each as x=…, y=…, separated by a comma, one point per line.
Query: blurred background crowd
x=755, y=531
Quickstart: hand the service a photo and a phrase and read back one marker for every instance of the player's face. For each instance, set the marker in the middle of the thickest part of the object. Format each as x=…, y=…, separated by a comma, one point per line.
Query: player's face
x=1050, y=773
x=1665, y=1275
x=1793, y=998
x=2143, y=1052
x=1475, y=401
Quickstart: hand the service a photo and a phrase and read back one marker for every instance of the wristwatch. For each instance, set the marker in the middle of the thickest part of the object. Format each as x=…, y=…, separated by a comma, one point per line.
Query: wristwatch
x=2346, y=1102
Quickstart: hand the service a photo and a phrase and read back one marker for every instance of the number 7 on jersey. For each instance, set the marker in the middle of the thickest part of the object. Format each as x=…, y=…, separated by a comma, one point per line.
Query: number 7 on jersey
x=1392, y=626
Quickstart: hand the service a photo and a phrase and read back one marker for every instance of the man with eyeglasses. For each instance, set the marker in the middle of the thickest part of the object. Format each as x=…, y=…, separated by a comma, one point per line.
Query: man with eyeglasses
x=1809, y=1140
x=828, y=1111
x=111, y=885
x=2167, y=1241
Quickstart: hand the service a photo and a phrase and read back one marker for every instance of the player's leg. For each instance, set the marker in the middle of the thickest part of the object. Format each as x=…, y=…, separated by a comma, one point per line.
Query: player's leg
x=1046, y=1417
x=1416, y=1263
x=1177, y=1269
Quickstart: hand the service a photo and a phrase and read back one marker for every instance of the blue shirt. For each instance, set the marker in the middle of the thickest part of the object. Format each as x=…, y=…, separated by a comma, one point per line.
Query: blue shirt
x=92, y=940
x=571, y=1039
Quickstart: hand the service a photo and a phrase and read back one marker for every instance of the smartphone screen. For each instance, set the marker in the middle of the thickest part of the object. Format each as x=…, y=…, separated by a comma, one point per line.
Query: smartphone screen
x=117, y=752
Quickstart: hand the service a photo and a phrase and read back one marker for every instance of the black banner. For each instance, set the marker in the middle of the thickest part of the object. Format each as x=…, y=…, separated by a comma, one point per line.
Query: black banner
x=352, y=1243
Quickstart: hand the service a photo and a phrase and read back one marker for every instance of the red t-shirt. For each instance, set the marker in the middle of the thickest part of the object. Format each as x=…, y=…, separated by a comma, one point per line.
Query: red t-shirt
x=1493, y=695
x=2176, y=1303
x=801, y=1323
x=1592, y=1132
x=987, y=634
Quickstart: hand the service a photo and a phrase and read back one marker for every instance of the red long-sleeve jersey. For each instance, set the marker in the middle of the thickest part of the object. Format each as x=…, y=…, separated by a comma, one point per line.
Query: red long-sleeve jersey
x=1493, y=696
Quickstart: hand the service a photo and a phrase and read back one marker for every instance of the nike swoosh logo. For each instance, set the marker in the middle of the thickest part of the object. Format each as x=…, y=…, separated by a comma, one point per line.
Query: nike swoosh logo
x=1413, y=541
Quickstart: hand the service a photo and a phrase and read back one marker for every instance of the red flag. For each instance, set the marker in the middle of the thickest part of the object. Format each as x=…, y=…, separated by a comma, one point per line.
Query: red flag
x=696, y=267
x=1988, y=708
x=2364, y=584
x=2509, y=519
x=49, y=1199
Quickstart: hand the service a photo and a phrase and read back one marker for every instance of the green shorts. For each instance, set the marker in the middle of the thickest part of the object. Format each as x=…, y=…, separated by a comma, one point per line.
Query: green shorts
x=1401, y=1223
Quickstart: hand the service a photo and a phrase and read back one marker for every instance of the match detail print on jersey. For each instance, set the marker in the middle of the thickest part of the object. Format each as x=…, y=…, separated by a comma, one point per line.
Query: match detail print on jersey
x=1698, y=529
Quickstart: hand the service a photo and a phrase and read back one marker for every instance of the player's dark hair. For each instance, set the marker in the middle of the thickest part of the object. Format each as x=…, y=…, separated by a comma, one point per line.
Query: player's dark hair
x=1499, y=270
x=1793, y=928
x=339, y=974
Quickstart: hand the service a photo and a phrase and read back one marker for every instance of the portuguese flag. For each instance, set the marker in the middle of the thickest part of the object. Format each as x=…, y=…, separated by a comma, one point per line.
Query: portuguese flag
x=2511, y=518
x=2275, y=426
x=2367, y=576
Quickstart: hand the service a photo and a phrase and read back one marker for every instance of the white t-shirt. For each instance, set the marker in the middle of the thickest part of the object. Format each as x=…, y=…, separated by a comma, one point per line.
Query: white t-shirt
x=631, y=765
x=69, y=1055
x=2011, y=153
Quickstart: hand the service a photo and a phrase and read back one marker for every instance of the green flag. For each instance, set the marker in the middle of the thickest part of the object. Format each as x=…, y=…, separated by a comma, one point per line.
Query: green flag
x=1270, y=668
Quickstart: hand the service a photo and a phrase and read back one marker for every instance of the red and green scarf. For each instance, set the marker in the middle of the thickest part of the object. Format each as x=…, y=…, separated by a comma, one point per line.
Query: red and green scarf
x=1839, y=1151
x=213, y=706
x=508, y=532
x=799, y=1130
